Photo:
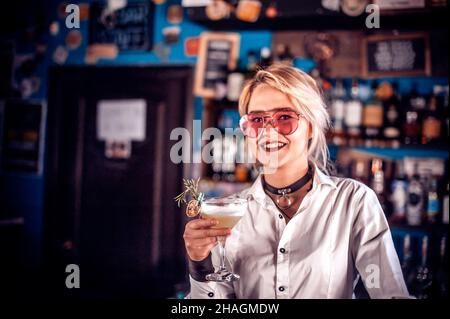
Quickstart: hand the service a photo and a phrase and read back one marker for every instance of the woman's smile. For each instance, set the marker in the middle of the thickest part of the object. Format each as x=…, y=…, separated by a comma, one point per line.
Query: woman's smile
x=274, y=146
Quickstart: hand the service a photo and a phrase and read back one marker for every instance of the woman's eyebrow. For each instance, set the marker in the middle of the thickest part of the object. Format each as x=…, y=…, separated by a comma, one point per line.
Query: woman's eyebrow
x=282, y=108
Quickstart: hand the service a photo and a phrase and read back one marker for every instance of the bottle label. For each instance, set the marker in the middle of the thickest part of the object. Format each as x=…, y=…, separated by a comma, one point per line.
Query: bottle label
x=337, y=109
x=392, y=114
x=418, y=103
x=353, y=113
x=433, y=207
x=391, y=132
x=431, y=128
x=399, y=197
x=373, y=115
x=445, y=210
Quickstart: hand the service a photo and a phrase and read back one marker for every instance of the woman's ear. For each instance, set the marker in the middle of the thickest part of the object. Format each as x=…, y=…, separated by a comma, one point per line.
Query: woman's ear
x=309, y=135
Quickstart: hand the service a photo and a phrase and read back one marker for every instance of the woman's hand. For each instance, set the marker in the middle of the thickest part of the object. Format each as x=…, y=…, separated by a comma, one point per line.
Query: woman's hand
x=200, y=238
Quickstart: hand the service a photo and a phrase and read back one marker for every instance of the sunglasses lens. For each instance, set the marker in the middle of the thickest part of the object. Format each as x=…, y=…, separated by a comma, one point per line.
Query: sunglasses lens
x=247, y=127
x=286, y=122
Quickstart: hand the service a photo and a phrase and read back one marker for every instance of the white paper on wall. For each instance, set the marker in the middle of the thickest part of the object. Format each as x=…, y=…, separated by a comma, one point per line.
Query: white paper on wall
x=119, y=122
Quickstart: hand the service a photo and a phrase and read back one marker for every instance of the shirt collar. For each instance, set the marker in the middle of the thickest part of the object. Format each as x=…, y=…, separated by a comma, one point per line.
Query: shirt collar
x=256, y=190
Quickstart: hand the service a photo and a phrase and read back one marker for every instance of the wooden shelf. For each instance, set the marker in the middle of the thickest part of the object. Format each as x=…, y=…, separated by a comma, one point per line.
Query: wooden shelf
x=322, y=19
x=422, y=230
x=398, y=153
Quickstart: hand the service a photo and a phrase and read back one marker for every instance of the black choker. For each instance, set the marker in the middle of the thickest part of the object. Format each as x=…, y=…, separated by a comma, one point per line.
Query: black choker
x=284, y=201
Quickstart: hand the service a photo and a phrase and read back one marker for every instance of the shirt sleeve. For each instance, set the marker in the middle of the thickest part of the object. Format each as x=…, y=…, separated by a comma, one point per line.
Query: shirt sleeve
x=202, y=289
x=373, y=250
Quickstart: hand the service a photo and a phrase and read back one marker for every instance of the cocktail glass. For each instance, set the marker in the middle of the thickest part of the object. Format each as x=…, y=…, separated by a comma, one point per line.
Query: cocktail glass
x=227, y=211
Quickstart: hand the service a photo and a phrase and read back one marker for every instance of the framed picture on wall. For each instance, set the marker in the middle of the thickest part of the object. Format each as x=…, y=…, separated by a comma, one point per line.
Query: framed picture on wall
x=396, y=55
x=217, y=55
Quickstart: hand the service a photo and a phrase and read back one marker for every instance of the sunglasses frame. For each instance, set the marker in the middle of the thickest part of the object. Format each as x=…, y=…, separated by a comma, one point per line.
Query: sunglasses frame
x=271, y=121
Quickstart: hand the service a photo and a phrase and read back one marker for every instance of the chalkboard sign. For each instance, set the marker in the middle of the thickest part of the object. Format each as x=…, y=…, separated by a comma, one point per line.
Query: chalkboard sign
x=396, y=55
x=130, y=28
x=218, y=54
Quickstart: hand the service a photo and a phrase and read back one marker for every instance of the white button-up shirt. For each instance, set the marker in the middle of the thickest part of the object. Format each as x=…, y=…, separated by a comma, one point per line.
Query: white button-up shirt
x=338, y=232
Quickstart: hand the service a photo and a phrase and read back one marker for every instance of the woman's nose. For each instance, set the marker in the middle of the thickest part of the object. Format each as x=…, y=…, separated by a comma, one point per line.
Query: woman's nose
x=269, y=121
x=269, y=132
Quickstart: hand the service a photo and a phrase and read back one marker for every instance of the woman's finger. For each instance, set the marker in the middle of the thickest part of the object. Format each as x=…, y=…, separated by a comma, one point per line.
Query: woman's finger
x=201, y=223
x=195, y=242
x=212, y=232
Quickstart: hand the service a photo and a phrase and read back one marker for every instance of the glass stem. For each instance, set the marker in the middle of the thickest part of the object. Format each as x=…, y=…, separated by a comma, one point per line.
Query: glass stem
x=221, y=240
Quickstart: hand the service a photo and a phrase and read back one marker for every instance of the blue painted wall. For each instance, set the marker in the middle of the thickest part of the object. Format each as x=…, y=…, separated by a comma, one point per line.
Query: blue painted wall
x=23, y=195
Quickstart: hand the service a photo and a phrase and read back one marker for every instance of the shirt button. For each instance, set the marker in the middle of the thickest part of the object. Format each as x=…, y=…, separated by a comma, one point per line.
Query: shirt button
x=210, y=294
x=281, y=288
x=280, y=216
x=282, y=250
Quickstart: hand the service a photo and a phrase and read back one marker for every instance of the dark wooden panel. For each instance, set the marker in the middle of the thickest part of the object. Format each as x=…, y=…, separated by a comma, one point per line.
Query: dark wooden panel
x=115, y=218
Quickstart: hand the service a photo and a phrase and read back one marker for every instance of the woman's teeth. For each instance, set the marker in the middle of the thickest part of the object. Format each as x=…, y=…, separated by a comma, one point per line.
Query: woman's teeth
x=270, y=147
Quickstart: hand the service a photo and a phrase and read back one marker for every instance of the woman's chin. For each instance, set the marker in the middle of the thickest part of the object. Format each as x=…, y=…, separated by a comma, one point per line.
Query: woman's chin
x=274, y=166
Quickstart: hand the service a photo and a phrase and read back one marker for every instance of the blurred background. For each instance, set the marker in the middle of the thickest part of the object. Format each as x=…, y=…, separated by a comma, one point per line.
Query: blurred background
x=90, y=92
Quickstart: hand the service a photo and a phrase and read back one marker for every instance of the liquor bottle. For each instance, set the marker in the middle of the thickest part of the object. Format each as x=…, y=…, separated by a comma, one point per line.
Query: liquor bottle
x=431, y=126
x=447, y=122
x=442, y=271
x=415, y=204
x=241, y=173
x=445, y=207
x=353, y=115
x=266, y=57
x=432, y=202
x=337, y=113
x=217, y=148
x=217, y=158
x=235, y=82
x=399, y=195
x=242, y=169
x=422, y=284
x=229, y=146
x=360, y=171
x=327, y=91
x=392, y=119
x=284, y=54
x=416, y=100
x=252, y=61
x=377, y=184
x=372, y=118
x=229, y=155
x=407, y=260
x=414, y=108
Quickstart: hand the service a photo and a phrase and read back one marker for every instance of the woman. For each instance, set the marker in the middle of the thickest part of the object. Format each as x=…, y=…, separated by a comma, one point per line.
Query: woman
x=306, y=234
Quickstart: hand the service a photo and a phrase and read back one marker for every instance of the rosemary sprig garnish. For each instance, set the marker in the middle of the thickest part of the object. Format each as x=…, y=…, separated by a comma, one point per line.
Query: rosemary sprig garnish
x=191, y=188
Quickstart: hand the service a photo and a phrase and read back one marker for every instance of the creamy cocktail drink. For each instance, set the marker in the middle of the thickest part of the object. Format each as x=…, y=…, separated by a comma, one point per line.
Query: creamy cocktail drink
x=227, y=215
x=227, y=211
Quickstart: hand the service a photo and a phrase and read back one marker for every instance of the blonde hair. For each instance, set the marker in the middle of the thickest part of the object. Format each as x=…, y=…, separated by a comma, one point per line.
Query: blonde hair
x=304, y=93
